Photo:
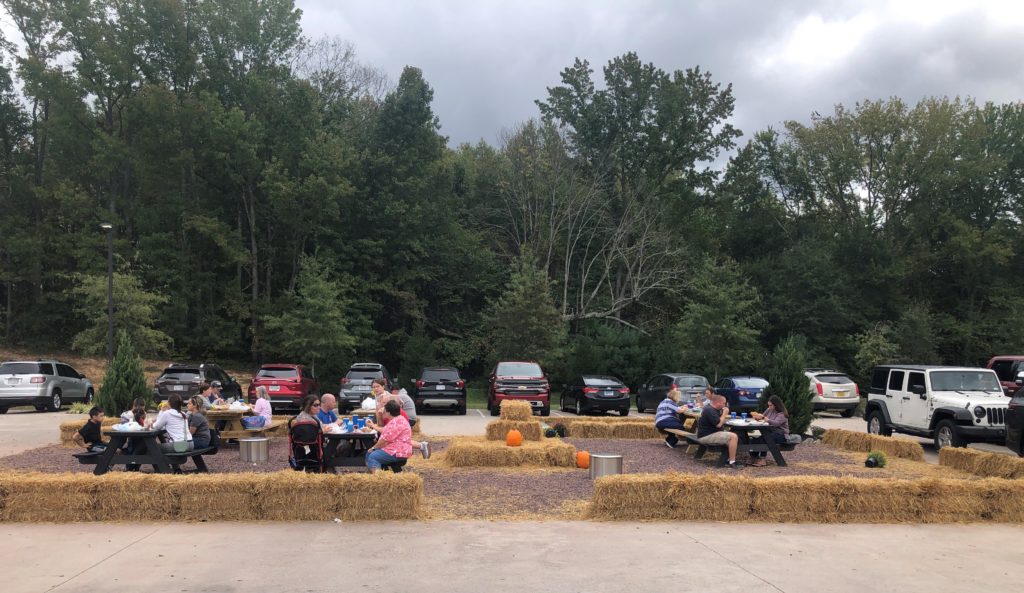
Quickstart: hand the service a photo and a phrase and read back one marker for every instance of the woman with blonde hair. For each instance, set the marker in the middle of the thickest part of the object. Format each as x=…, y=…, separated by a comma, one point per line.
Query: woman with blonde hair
x=667, y=416
x=262, y=410
x=197, y=423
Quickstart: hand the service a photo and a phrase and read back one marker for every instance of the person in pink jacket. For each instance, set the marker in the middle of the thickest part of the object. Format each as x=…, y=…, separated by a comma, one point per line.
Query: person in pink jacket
x=261, y=409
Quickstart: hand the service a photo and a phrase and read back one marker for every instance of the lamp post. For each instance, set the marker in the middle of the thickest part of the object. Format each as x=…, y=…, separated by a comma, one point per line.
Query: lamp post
x=110, y=289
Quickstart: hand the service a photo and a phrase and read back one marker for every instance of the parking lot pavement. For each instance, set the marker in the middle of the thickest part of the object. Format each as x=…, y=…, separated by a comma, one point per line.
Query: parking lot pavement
x=463, y=556
x=21, y=430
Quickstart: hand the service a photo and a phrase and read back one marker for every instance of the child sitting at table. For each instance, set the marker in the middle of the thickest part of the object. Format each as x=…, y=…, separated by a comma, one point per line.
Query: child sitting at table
x=90, y=435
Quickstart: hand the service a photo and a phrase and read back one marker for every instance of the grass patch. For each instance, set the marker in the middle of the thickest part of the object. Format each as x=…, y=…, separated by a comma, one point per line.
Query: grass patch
x=476, y=397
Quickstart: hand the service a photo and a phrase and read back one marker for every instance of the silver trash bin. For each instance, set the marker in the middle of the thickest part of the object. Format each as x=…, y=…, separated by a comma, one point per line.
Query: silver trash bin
x=602, y=464
x=254, y=450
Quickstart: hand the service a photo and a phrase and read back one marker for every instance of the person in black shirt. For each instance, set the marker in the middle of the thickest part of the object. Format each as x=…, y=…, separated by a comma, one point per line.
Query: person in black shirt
x=89, y=436
x=709, y=427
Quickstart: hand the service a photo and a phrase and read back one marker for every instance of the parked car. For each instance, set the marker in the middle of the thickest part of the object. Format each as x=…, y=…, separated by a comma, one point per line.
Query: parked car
x=833, y=391
x=589, y=393
x=953, y=406
x=1015, y=418
x=742, y=392
x=45, y=384
x=357, y=382
x=519, y=380
x=185, y=379
x=439, y=388
x=286, y=385
x=1007, y=368
x=657, y=387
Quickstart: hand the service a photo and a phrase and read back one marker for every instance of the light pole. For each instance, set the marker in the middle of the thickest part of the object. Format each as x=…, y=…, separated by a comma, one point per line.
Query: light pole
x=110, y=289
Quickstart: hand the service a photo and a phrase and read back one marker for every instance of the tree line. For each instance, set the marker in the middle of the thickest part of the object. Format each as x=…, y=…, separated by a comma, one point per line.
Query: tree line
x=274, y=198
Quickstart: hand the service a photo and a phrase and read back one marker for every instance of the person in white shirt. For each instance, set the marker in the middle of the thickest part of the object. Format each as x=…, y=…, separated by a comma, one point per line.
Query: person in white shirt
x=174, y=421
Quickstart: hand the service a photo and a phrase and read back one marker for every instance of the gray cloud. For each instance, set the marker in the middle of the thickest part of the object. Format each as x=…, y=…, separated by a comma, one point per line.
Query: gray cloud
x=488, y=61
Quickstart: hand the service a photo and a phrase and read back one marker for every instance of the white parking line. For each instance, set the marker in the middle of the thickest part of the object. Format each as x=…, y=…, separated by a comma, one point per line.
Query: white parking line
x=481, y=414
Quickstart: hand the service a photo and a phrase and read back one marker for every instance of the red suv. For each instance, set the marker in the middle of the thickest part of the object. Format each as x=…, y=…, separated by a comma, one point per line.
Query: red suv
x=287, y=384
x=1008, y=368
x=524, y=381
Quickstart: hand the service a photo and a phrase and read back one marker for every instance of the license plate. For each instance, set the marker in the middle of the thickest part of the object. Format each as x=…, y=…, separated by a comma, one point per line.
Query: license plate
x=608, y=393
x=274, y=388
x=440, y=387
x=13, y=381
x=840, y=393
x=177, y=388
x=361, y=388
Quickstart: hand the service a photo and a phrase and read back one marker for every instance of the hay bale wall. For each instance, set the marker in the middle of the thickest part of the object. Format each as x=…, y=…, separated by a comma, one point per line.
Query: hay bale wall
x=804, y=499
x=498, y=429
x=982, y=463
x=568, y=421
x=612, y=430
x=476, y=453
x=68, y=429
x=516, y=410
x=282, y=496
x=860, y=441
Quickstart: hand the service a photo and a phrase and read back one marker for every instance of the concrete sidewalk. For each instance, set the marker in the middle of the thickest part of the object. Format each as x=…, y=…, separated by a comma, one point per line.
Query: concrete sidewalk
x=520, y=557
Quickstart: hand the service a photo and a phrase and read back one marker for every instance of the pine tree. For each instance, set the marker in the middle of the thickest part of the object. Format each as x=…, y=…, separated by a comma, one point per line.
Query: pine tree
x=124, y=380
x=524, y=324
x=787, y=380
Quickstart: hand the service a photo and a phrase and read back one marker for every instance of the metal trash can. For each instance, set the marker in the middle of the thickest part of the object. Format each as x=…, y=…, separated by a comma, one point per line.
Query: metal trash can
x=602, y=464
x=254, y=450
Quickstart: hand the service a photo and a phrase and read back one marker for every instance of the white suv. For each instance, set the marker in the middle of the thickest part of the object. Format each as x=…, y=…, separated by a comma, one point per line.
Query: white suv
x=833, y=391
x=951, y=405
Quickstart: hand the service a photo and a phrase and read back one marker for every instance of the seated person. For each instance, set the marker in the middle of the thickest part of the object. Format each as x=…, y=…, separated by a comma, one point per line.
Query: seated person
x=408, y=405
x=395, y=440
x=705, y=399
x=327, y=415
x=129, y=415
x=173, y=420
x=710, y=431
x=384, y=398
x=212, y=393
x=90, y=436
x=778, y=420
x=197, y=424
x=261, y=409
x=667, y=416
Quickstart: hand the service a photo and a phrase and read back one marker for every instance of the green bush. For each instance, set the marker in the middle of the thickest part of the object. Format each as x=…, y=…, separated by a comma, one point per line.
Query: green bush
x=787, y=380
x=880, y=458
x=124, y=380
x=79, y=408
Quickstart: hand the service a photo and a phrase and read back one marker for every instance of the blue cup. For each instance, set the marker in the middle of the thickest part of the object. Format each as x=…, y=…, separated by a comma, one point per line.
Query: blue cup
x=362, y=422
x=744, y=416
x=732, y=415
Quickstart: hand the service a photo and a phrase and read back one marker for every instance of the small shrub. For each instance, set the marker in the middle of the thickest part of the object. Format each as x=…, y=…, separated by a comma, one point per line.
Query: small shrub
x=817, y=432
x=124, y=380
x=550, y=432
x=79, y=408
x=876, y=459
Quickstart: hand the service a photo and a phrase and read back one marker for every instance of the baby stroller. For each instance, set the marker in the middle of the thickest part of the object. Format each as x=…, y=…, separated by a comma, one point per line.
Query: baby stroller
x=306, y=443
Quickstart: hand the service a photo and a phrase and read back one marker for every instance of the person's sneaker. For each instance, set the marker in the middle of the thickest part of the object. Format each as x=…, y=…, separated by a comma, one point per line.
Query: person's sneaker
x=669, y=444
x=425, y=449
x=734, y=465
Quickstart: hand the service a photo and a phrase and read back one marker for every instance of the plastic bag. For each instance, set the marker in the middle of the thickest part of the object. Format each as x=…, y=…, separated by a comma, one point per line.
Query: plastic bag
x=369, y=404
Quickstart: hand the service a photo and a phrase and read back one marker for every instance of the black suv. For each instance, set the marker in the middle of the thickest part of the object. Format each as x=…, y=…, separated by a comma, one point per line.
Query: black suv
x=357, y=382
x=184, y=379
x=439, y=388
x=1015, y=419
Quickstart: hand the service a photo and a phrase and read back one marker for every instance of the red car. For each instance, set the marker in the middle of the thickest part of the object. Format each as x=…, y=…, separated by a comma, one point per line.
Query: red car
x=1008, y=367
x=287, y=384
x=524, y=381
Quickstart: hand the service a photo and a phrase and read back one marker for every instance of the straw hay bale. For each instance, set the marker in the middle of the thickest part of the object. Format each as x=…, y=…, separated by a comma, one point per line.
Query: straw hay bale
x=221, y=497
x=516, y=410
x=590, y=430
x=982, y=463
x=297, y=496
x=475, y=453
x=498, y=429
x=68, y=429
x=634, y=430
x=568, y=421
x=49, y=498
x=860, y=441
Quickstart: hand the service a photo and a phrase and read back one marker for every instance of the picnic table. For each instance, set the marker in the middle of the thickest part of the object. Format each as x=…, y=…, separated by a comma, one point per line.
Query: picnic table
x=153, y=455
x=353, y=457
x=232, y=419
x=750, y=443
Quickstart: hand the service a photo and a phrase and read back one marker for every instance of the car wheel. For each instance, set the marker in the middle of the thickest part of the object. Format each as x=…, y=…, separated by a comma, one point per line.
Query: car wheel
x=579, y=407
x=546, y=410
x=561, y=403
x=639, y=405
x=55, y=401
x=624, y=412
x=946, y=435
x=462, y=410
x=88, y=396
x=877, y=425
x=847, y=413
x=3, y=409
x=495, y=409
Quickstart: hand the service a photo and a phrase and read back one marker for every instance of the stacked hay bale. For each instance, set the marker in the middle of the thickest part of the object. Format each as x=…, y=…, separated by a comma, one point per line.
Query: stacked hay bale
x=982, y=463
x=515, y=415
x=859, y=441
x=597, y=427
x=470, y=452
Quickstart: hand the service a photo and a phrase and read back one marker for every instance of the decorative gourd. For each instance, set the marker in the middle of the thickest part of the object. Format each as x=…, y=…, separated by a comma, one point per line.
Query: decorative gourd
x=513, y=438
x=550, y=433
x=583, y=460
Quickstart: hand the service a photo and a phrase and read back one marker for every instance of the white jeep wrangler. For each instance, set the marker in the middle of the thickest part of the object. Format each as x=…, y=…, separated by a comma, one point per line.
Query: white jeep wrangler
x=951, y=405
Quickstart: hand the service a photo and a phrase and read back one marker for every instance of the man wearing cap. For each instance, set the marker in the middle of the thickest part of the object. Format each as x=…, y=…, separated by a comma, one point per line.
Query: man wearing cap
x=212, y=393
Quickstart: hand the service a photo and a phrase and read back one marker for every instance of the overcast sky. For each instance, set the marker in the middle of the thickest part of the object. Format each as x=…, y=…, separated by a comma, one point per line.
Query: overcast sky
x=487, y=61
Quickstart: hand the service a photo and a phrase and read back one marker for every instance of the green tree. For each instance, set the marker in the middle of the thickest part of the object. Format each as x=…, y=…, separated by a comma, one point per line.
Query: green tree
x=124, y=380
x=417, y=352
x=915, y=335
x=875, y=345
x=523, y=323
x=787, y=380
x=718, y=331
x=135, y=313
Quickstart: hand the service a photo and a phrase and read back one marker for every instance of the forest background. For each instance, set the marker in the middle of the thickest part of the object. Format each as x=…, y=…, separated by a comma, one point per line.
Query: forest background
x=274, y=199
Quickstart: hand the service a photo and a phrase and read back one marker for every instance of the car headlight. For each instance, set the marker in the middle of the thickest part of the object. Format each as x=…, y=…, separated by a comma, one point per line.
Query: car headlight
x=979, y=412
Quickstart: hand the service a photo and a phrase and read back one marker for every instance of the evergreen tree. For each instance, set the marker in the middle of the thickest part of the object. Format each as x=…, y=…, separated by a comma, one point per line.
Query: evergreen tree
x=124, y=380
x=875, y=345
x=135, y=313
x=523, y=324
x=787, y=380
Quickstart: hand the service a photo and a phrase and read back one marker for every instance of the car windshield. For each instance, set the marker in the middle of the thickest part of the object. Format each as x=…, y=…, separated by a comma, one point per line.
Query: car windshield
x=19, y=368
x=365, y=375
x=690, y=382
x=278, y=373
x=965, y=381
x=751, y=383
x=180, y=374
x=602, y=381
x=519, y=369
x=438, y=375
x=834, y=379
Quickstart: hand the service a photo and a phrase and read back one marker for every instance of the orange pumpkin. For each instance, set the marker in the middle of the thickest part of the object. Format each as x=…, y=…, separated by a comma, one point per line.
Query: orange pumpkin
x=583, y=460
x=513, y=438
